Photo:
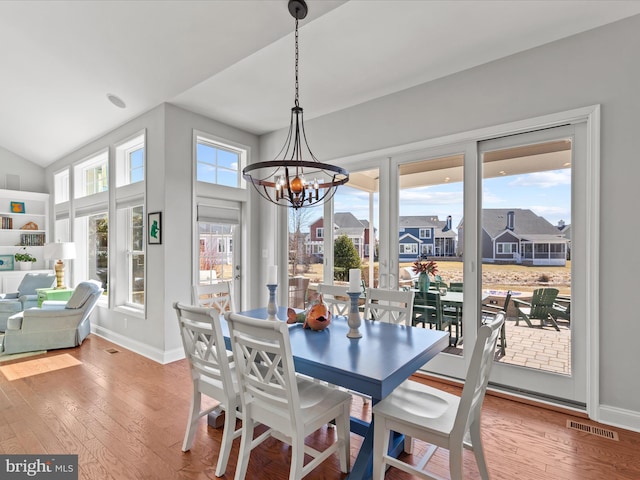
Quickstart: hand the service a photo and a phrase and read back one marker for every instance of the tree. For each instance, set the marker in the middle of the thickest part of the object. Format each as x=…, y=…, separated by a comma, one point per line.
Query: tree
x=345, y=256
x=297, y=256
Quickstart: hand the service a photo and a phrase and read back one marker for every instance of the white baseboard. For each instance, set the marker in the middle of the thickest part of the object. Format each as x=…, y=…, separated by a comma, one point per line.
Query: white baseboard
x=619, y=417
x=140, y=348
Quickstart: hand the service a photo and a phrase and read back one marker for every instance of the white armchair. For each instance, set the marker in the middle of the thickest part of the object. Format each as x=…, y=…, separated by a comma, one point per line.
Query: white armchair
x=57, y=327
x=25, y=297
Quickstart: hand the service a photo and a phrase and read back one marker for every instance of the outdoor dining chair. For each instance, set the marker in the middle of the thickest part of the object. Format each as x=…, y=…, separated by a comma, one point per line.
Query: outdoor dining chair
x=291, y=407
x=428, y=308
x=436, y=417
x=212, y=374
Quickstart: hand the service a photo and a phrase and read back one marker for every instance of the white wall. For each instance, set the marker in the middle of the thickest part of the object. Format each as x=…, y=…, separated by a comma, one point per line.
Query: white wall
x=168, y=190
x=32, y=177
x=597, y=67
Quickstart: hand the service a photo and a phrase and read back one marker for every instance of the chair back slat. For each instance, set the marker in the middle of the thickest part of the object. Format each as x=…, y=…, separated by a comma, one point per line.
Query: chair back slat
x=215, y=295
x=335, y=296
x=390, y=306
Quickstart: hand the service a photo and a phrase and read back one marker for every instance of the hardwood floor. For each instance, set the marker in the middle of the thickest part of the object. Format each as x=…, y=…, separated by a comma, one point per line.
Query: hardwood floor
x=124, y=416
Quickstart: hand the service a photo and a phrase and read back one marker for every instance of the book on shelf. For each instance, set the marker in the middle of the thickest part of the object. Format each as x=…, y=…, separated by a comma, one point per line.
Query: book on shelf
x=6, y=223
x=32, y=239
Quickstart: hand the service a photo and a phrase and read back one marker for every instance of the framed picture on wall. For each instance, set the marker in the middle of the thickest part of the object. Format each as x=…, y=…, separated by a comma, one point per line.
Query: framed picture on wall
x=17, y=207
x=154, y=228
x=6, y=262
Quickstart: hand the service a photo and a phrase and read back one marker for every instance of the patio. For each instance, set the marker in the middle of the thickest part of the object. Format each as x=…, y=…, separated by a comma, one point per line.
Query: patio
x=542, y=348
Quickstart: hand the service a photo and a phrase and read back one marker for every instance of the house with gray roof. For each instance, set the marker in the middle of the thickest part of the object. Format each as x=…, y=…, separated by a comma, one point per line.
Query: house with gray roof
x=518, y=235
x=425, y=236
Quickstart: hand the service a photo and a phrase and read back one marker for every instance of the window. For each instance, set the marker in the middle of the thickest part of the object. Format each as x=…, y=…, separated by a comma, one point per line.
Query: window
x=507, y=248
x=217, y=163
x=130, y=160
x=91, y=176
x=61, y=186
x=425, y=233
x=91, y=235
x=408, y=248
x=320, y=232
x=135, y=242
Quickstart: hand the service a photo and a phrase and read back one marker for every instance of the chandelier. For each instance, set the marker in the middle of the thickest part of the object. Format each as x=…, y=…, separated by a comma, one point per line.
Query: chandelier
x=295, y=178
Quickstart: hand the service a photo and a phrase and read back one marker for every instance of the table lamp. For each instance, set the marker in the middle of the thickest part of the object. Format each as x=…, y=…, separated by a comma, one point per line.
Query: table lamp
x=60, y=251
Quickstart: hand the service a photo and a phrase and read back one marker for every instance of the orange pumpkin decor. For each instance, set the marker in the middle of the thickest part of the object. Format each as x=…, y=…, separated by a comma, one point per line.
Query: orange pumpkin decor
x=317, y=316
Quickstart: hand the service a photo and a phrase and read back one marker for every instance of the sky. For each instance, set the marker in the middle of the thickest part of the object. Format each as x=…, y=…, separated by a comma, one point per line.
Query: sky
x=547, y=194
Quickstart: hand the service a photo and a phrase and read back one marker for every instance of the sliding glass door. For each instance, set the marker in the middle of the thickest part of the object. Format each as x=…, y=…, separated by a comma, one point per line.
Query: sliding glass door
x=528, y=250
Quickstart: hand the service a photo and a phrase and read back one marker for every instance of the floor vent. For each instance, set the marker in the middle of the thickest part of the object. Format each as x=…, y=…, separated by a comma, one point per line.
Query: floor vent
x=592, y=429
x=111, y=350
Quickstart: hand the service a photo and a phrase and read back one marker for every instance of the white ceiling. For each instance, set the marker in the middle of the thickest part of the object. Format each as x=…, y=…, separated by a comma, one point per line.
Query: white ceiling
x=233, y=60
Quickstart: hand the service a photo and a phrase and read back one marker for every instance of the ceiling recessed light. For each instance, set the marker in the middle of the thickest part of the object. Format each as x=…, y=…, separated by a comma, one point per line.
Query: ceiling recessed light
x=116, y=100
x=502, y=172
x=567, y=164
x=446, y=179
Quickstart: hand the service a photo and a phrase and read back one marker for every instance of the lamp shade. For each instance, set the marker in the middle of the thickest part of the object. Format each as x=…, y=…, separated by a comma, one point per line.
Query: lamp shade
x=60, y=251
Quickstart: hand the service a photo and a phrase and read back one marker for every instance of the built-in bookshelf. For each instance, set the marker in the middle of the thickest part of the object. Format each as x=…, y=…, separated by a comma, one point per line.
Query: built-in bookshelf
x=24, y=218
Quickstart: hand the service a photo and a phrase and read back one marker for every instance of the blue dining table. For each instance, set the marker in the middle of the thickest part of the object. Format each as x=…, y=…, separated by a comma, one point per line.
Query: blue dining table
x=375, y=364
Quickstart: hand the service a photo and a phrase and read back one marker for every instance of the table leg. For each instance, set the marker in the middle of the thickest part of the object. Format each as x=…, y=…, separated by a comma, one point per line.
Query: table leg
x=363, y=466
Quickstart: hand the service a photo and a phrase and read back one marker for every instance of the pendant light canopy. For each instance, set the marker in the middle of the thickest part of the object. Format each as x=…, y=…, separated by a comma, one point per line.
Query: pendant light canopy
x=295, y=178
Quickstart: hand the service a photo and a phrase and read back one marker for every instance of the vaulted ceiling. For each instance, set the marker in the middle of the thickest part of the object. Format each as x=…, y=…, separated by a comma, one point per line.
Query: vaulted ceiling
x=233, y=60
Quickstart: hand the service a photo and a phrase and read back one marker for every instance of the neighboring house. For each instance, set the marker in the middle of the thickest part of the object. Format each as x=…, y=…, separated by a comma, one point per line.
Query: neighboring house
x=425, y=236
x=519, y=236
x=345, y=223
x=566, y=231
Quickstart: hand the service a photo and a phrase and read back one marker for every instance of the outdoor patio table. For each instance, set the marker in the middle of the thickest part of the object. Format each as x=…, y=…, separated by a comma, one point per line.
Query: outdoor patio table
x=374, y=365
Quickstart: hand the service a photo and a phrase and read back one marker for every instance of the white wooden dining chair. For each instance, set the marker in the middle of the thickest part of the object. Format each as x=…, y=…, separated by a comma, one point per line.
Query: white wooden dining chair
x=273, y=395
x=215, y=295
x=436, y=417
x=335, y=296
x=212, y=374
x=391, y=306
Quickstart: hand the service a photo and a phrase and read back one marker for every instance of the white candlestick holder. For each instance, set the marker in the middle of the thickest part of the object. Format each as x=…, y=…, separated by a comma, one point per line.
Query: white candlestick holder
x=354, y=320
x=272, y=305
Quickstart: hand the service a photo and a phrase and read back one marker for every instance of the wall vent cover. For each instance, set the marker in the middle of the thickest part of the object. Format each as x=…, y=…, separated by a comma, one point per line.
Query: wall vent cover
x=111, y=350
x=592, y=429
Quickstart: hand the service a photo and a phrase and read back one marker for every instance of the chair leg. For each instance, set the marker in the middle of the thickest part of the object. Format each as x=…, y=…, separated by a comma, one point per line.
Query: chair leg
x=343, y=430
x=194, y=416
x=455, y=462
x=380, y=447
x=297, y=458
x=245, y=447
x=227, y=440
x=478, y=450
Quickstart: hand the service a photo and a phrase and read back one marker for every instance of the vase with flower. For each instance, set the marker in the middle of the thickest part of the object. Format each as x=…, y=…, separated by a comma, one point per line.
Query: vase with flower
x=424, y=269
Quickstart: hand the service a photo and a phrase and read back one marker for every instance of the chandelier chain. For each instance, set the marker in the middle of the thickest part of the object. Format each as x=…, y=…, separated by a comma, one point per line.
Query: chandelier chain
x=297, y=103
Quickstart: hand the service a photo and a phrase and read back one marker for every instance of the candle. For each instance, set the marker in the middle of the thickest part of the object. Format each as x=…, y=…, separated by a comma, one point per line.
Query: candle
x=272, y=275
x=354, y=279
